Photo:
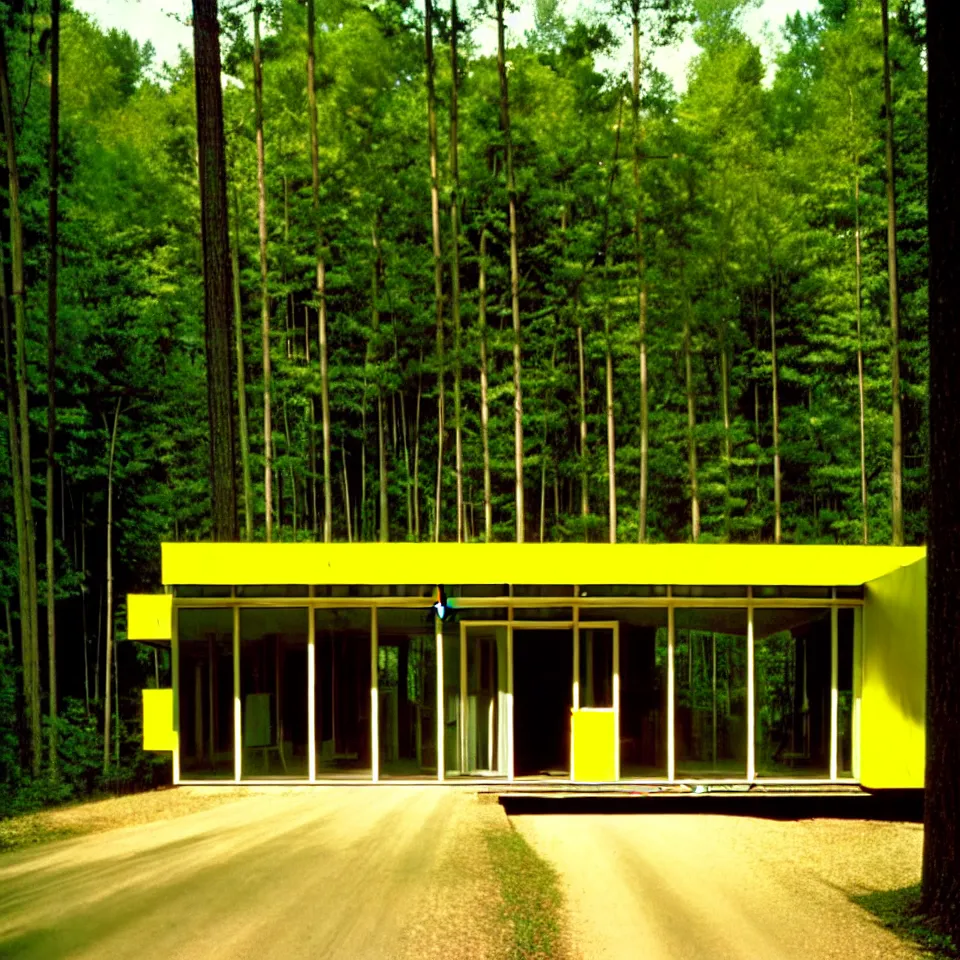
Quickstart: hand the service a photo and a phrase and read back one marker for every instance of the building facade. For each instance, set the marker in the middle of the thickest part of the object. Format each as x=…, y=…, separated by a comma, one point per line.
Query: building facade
x=591, y=663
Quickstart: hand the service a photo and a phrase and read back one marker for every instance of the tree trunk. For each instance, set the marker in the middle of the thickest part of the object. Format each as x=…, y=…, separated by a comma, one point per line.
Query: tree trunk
x=28, y=565
x=514, y=268
x=293, y=475
x=484, y=402
x=608, y=336
x=216, y=266
x=941, y=838
x=643, y=292
x=777, y=498
x=727, y=436
x=346, y=496
x=241, y=374
x=109, y=617
x=321, y=279
x=84, y=589
x=437, y=261
x=455, y=267
x=691, y=424
x=584, y=495
x=264, y=292
x=897, y=472
x=52, y=253
x=374, y=354
x=416, y=452
x=859, y=307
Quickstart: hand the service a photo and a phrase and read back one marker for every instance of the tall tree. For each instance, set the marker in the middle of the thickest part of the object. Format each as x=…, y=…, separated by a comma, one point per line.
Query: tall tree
x=437, y=253
x=28, y=558
x=241, y=373
x=215, y=240
x=53, y=166
x=514, y=267
x=897, y=471
x=264, y=287
x=321, y=275
x=455, y=265
x=941, y=837
x=109, y=569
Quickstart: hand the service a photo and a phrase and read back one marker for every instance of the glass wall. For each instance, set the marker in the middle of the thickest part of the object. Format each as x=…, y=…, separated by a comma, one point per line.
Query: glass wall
x=710, y=665
x=273, y=692
x=342, y=690
x=644, y=651
x=407, y=691
x=792, y=678
x=205, y=648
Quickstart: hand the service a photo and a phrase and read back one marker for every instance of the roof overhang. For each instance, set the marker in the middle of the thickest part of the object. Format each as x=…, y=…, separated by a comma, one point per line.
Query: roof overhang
x=530, y=563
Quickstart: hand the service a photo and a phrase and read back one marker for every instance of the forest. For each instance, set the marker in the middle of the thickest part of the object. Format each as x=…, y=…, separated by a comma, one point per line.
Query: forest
x=474, y=296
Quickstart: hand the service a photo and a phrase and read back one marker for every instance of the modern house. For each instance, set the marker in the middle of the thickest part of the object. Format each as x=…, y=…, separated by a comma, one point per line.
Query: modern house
x=660, y=663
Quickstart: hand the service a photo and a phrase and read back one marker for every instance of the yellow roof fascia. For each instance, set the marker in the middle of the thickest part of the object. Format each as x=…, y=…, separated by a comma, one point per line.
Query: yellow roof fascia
x=519, y=563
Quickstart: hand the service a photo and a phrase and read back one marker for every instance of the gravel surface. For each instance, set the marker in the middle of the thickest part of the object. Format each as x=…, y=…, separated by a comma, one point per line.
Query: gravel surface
x=676, y=886
x=339, y=872
x=100, y=815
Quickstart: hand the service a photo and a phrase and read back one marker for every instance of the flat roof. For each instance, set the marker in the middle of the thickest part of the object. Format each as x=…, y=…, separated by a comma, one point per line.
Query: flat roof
x=235, y=564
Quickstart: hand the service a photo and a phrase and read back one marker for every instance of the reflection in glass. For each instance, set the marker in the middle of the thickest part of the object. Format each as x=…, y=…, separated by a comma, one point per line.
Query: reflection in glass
x=710, y=664
x=205, y=647
x=792, y=677
x=452, y=736
x=273, y=692
x=342, y=690
x=407, y=690
x=485, y=744
x=596, y=667
x=845, y=669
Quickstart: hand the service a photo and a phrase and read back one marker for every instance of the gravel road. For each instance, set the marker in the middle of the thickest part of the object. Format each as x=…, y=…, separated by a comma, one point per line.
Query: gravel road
x=713, y=887
x=340, y=873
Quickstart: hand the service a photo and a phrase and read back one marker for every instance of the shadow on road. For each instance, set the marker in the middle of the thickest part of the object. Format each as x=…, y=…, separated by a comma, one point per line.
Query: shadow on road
x=900, y=805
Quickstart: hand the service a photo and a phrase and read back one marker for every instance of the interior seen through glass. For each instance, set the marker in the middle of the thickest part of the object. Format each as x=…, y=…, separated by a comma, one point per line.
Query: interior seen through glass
x=792, y=682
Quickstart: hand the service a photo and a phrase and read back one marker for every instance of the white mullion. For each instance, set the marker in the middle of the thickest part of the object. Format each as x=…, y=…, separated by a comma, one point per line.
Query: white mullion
x=311, y=693
x=751, y=696
x=510, y=698
x=464, y=736
x=857, y=691
x=237, y=714
x=374, y=700
x=175, y=670
x=440, y=705
x=671, y=690
x=833, y=688
x=616, y=701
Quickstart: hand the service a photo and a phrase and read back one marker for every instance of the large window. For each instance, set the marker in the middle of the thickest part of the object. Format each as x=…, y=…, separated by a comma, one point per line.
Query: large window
x=205, y=650
x=342, y=690
x=792, y=677
x=710, y=664
x=407, y=692
x=273, y=692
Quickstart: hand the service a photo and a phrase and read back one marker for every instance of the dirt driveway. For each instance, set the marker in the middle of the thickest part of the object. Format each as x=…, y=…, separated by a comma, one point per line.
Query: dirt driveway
x=713, y=887
x=343, y=872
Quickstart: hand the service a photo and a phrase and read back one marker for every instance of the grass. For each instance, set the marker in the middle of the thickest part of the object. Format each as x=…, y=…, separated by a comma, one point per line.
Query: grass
x=899, y=911
x=532, y=903
x=97, y=816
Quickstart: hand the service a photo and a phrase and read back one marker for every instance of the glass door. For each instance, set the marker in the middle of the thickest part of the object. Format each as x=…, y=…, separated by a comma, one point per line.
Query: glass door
x=596, y=703
x=484, y=727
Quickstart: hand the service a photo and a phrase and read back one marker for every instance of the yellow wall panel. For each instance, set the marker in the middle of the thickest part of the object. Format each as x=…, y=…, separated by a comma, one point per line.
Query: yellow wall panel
x=594, y=746
x=893, y=706
x=149, y=616
x=559, y=563
x=158, y=732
